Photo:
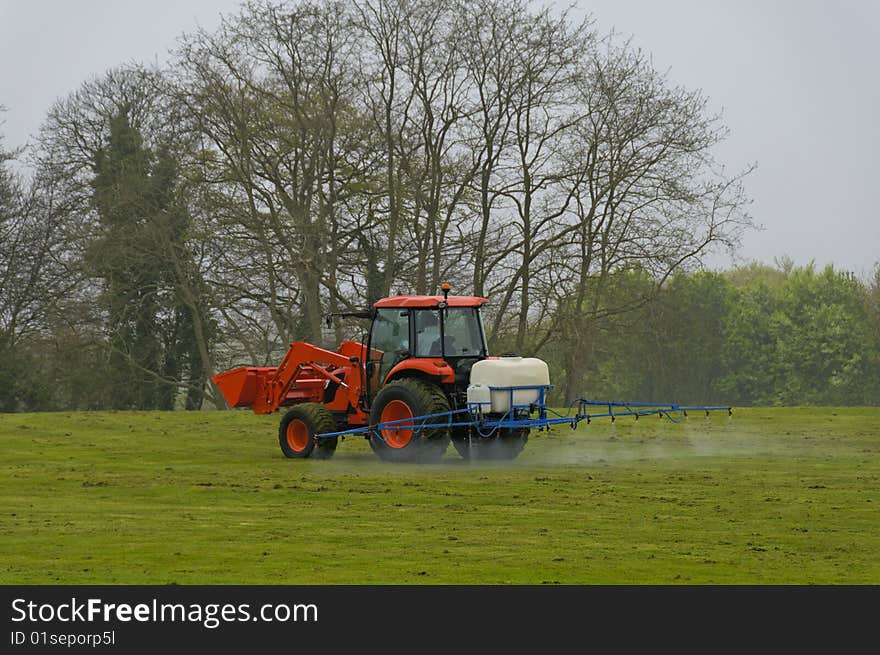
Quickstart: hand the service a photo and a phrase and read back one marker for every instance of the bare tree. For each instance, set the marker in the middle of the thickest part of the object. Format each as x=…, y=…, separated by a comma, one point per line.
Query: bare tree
x=33, y=279
x=544, y=112
x=436, y=164
x=269, y=93
x=647, y=193
x=490, y=32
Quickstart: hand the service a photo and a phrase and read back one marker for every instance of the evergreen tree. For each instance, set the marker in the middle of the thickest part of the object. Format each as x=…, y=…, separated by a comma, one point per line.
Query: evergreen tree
x=140, y=254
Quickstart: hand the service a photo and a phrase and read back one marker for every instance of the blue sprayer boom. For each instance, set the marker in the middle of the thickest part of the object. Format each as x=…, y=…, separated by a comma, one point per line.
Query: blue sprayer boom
x=486, y=431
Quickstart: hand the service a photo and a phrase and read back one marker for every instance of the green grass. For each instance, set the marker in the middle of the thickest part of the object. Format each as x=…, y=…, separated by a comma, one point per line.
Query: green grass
x=768, y=496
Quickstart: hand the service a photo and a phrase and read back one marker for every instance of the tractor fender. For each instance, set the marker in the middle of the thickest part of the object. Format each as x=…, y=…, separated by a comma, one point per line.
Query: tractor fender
x=432, y=368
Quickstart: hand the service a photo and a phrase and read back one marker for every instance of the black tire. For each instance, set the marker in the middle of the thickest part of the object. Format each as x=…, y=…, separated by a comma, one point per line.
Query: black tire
x=298, y=430
x=419, y=398
x=507, y=444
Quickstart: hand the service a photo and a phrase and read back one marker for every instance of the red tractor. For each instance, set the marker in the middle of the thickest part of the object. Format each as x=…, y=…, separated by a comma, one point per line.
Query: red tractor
x=417, y=363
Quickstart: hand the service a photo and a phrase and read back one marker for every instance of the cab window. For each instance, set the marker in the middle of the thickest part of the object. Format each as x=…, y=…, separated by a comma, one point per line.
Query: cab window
x=462, y=335
x=427, y=324
x=389, y=340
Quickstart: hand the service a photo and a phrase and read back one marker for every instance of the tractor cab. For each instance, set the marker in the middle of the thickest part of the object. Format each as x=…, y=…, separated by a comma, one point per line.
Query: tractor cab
x=439, y=336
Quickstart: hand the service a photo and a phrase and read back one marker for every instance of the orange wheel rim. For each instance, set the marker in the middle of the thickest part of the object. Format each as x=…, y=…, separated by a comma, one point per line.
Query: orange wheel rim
x=400, y=434
x=297, y=435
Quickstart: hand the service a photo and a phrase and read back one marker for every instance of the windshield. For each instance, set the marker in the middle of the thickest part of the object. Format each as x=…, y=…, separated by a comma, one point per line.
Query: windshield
x=462, y=333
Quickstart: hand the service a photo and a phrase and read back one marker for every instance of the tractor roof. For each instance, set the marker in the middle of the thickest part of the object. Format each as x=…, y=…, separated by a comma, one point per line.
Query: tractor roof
x=431, y=301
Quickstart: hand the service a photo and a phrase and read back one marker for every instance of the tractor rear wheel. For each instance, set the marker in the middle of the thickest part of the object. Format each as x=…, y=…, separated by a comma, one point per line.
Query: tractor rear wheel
x=403, y=441
x=297, y=434
x=506, y=444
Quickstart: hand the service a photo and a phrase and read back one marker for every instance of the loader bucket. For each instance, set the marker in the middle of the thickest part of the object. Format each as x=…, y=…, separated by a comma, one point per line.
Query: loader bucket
x=241, y=386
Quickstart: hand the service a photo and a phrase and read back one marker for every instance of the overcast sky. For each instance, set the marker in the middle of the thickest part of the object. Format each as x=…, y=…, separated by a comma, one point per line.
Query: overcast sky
x=798, y=83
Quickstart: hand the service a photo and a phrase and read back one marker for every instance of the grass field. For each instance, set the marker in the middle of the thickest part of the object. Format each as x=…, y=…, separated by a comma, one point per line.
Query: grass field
x=768, y=496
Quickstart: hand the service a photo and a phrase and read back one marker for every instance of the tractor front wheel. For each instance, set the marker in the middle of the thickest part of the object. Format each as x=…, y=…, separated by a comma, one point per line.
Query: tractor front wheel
x=402, y=439
x=297, y=434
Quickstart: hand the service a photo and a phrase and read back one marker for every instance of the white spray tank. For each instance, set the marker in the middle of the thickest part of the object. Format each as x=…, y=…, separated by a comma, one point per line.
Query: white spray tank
x=488, y=375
